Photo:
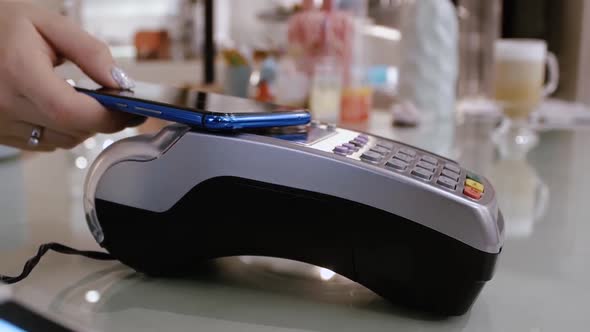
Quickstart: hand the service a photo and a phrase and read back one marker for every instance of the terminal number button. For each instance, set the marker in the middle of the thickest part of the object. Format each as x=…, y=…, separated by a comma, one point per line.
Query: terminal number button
x=381, y=150
x=403, y=157
x=447, y=182
x=453, y=168
x=450, y=174
x=397, y=165
x=430, y=160
x=408, y=152
x=372, y=157
x=422, y=173
x=426, y=166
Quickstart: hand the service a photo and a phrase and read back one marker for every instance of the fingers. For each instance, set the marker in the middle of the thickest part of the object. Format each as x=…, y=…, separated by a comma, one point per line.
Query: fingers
x=22, y=109
x=62, y=106
x=72, y=42
x=30, y=91
x=21, y=131
x=23, y=145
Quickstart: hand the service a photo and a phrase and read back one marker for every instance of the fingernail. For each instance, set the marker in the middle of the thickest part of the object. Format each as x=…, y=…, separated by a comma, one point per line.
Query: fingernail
x=122, y=79
x=136, y=121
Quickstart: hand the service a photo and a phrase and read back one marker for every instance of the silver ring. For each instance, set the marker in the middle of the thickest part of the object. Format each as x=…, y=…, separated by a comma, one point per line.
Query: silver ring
x=35, y=137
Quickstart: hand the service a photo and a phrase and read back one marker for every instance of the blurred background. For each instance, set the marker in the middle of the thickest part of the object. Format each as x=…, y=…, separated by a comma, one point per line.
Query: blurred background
x=418, y=61
x=421, y=71
x=172, y=32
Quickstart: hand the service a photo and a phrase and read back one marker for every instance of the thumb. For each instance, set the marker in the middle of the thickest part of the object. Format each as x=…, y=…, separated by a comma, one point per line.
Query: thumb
x=75, y=44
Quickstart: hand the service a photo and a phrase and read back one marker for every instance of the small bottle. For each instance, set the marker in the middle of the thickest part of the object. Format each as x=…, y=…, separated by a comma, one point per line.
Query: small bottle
x=263, y=94
x=357, y=92
x=326, y=91
x=357, y=98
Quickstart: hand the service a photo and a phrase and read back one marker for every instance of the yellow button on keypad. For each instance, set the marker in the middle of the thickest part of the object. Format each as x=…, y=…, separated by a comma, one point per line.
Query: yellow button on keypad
x=475, y=185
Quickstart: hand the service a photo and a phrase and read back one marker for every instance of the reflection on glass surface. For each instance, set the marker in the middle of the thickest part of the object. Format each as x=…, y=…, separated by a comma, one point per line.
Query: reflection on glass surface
x=292, y=269
x=515, y=138
x=12, y=205
x=473, y=146
x=92, y=296
x=229, y=294
x=522, y=196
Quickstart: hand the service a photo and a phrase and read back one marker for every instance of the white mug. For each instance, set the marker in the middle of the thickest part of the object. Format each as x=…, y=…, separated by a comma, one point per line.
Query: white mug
x=520, y=74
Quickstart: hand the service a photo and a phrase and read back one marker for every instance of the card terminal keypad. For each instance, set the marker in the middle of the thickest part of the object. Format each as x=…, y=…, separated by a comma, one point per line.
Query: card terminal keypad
x=414, y=163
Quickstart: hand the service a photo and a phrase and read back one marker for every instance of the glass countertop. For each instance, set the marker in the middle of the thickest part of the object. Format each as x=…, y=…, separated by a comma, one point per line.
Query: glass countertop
x=541, y=282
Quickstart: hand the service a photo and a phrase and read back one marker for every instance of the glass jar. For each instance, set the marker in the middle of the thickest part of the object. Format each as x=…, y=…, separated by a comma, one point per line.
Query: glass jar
x=357, y=98
x=326, y=90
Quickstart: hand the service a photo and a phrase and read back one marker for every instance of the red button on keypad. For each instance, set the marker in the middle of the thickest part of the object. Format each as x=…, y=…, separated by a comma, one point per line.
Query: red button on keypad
x=472, y=193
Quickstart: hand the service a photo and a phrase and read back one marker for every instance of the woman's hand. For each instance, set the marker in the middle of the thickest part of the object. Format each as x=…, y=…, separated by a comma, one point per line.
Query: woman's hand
x=33, y=96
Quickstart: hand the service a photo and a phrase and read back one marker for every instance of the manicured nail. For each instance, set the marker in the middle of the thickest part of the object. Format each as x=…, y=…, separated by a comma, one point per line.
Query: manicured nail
x=121, y=77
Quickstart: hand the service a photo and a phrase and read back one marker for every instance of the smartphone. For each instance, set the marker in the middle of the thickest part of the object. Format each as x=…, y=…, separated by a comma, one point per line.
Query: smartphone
x=16, y=317
x=199, y=109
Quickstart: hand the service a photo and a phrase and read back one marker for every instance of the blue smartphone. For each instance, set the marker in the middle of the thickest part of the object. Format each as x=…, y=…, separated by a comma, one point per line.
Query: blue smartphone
x=198, y=109
x=16, y=317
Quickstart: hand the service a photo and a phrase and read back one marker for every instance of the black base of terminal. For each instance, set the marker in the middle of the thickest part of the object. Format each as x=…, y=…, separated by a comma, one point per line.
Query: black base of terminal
x=406, y=263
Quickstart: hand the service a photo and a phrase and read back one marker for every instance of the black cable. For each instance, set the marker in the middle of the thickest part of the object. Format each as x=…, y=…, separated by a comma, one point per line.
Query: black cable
x=59, y=248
